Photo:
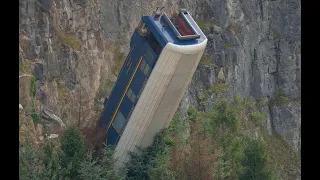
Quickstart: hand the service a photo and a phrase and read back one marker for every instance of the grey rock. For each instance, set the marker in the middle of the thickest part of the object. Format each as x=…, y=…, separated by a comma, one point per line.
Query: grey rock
x=52, y=136
x=39, y=129
x=49, y=115
x=217, y=29
x=38, y=71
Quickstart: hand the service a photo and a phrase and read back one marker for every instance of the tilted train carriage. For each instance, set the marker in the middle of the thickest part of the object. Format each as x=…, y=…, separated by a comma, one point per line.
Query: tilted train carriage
x=164, y=54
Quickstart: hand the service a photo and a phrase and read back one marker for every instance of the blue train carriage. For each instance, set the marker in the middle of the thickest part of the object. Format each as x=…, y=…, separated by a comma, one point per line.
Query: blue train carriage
x=164, y=54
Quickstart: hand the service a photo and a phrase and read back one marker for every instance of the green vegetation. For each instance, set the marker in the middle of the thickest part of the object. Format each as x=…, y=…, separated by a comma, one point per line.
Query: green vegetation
x=29, y=160
x=254, y=162
x=281, y=98
x=205, y=61
x=73, y=148
x=277, y=35
x=214, y=149
x=262, y=101
x=220, y=144
x=33, y=89
x=99, y=169
x=72, y=41
x=66, y=158
x=23, y=67
x=152, y=162
x=227, y=45
x=33, y=86
x=258, y=117
x=203, y=25
x=216, y=88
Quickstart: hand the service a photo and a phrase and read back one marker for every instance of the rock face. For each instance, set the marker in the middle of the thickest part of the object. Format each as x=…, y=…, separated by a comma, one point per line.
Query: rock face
x=63, y=42
x=253, y=45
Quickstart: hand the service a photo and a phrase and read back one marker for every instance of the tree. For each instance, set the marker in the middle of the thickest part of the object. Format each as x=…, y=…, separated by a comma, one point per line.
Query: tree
x=30, y=162
x=222, y=168
x=152, y=162
x=254, y=162
x=73, y=151
x=52, y=161
x=100, y=169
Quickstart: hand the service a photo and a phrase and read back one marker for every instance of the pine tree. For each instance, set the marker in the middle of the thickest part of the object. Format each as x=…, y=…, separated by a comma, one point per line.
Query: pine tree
x=100, y=169
x=72, y=152
x=254, y=162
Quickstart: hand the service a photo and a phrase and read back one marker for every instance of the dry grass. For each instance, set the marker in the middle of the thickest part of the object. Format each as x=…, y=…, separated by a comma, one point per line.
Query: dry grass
x=282, y=157
x=63, y=93
x=69, y=39
x=203, y=25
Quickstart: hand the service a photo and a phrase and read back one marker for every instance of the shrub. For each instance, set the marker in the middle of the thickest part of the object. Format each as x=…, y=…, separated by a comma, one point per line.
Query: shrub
x=33, y=87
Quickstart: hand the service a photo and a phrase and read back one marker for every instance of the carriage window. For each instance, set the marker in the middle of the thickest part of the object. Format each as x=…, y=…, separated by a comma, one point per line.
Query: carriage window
x=133, y=98
x=153, y=42
x=146, y=70
x=119, y=121
x=149, y=56
x=131, y=95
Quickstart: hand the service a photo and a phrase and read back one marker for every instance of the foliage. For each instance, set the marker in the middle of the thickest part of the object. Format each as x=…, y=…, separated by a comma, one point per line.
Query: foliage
x=29, y=161
x=52, y=161
x=282, y=157
x=203, y=25
x=34, y=113
x=222, y=167
x=35, y=116
x=228, y=45
x=33, y=86
x=100, y=169
x=258, y=117
x=277, y=35
x=73, y=151
x=280, y=98
x=216, y=147
x=152, y=162
x=65, y=159
x=23, y=67
x=254, y=162
x=216, y=88
x=262, y=101
x=205, y=61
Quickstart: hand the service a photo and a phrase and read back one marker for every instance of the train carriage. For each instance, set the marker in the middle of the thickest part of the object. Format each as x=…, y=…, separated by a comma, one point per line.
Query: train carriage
x=164, y=54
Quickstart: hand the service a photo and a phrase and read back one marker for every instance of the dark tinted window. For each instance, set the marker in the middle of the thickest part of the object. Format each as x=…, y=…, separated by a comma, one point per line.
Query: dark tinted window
x=153, y=43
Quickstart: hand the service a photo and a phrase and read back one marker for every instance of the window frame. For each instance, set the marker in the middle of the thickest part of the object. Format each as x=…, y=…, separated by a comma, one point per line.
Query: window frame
x=114, y=123
x=144, y=72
